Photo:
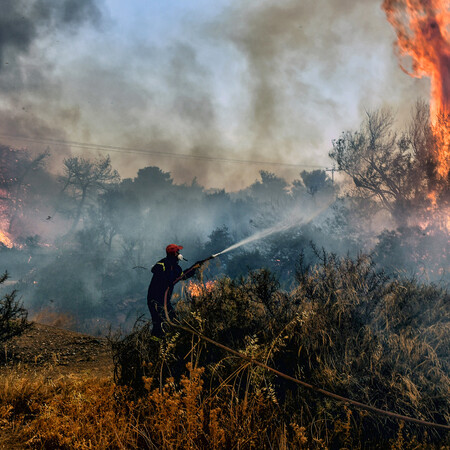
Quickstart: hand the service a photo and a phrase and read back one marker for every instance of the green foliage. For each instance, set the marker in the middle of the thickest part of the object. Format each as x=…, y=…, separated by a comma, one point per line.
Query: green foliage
x=13, y=317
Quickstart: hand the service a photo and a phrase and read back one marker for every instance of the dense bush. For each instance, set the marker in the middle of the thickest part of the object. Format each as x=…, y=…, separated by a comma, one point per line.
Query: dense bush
x=346, y=327
x=13, y=317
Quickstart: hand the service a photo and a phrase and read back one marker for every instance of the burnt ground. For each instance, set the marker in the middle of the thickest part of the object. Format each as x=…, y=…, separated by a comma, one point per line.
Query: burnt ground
x=57, y=353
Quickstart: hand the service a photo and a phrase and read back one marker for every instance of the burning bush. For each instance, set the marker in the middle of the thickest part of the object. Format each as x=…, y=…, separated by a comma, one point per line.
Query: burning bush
x=346, y=327
x=399, y=170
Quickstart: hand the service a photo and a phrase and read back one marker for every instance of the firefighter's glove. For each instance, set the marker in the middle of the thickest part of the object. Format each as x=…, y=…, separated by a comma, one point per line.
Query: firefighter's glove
x=198, y=264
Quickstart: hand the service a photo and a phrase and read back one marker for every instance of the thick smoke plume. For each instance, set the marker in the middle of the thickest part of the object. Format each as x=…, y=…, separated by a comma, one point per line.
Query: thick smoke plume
x=23, y=22
x=28, y=32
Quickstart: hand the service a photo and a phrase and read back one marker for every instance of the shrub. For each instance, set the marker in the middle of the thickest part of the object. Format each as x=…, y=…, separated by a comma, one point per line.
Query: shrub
x=13, y=316
x=346, y=327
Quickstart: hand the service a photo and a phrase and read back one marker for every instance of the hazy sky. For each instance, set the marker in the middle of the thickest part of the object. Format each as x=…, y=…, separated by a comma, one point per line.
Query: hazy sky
x=253, y=80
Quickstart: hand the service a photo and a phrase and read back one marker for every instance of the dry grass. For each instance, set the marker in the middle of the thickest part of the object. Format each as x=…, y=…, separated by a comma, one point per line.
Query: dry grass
x=85, y=413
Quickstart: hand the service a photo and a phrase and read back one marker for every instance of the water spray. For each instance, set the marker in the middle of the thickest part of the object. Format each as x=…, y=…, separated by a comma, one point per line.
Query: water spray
x=293, y=222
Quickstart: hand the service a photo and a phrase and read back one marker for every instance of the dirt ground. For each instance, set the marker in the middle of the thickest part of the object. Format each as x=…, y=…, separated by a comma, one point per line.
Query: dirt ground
x=68, y=352
x=55, y=352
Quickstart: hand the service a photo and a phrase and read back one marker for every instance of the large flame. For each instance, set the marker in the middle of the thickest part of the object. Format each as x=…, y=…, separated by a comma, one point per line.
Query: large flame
x=423, y=33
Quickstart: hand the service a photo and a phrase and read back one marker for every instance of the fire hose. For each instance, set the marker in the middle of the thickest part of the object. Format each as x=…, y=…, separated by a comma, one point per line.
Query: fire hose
x=283, y=375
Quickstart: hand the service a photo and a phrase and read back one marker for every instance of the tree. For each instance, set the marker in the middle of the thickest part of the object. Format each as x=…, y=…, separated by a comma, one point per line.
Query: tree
x=84, y=180
x=116, y=212
x=150, y=182
x=316, y=181
x=271, y=188
x=219, y=240
x=13, y=317
x=396, y=169
x=15, y=167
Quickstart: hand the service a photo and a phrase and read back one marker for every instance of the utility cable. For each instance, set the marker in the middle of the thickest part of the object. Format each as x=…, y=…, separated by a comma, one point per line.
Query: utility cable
x=119, y=149
x=288, y=377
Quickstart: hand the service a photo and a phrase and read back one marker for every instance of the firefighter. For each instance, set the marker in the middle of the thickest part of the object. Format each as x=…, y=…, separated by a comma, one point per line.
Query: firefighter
x=165, y=272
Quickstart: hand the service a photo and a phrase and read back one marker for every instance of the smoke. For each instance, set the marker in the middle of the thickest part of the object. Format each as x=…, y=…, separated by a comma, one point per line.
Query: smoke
x=307, y=61
x=29, y=30
x=254, y=80
x=23, y=22
x=89, y=272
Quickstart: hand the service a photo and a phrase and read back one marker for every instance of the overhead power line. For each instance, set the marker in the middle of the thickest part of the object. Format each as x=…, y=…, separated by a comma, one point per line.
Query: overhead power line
x=119, y=149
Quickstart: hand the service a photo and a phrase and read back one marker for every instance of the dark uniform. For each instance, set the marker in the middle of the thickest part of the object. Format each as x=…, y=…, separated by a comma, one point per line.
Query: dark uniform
x=165, y=272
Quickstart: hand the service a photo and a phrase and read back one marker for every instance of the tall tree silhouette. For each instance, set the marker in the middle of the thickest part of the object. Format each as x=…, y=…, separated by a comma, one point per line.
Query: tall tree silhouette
x=84, y=180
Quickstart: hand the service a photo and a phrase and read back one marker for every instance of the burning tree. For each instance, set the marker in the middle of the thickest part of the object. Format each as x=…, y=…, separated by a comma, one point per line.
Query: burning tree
x=397, y=169
x=423, y=35
x=15, y=167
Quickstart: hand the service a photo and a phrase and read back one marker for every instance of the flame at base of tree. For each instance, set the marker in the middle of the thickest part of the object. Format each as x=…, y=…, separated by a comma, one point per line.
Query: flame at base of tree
x=423, y=34
x=441, y=132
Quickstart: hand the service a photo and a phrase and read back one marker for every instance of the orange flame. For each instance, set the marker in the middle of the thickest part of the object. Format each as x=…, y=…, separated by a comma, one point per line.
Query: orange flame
x=5, y=240
x=422, y=28
x=198, y=289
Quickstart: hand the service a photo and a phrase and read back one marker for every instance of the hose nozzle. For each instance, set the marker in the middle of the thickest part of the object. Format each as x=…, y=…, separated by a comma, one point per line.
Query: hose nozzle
x=207, y=259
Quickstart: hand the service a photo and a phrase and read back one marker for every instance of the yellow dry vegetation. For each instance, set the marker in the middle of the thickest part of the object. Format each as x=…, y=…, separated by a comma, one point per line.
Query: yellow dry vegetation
x=84, y=412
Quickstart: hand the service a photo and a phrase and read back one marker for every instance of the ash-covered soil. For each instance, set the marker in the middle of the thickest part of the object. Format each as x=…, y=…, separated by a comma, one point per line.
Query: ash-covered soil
x=44, y=346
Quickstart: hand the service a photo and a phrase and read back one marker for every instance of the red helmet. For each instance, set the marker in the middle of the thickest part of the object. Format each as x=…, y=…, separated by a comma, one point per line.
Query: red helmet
x=173, y=249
